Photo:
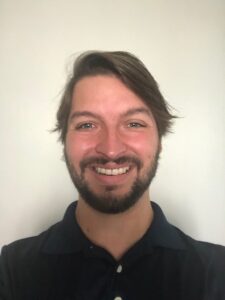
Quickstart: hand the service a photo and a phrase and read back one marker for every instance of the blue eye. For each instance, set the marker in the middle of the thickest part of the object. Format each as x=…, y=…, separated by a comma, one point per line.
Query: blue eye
x=135, y=125
x=85, y=126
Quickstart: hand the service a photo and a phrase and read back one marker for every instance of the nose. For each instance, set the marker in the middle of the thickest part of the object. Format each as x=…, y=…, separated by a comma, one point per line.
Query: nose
x=110, y=144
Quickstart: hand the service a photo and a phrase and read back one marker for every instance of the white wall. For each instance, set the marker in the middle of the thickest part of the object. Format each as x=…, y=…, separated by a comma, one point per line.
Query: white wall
x=181, y=42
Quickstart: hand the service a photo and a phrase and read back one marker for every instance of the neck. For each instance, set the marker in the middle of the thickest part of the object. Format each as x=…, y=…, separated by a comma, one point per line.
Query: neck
x=116, y=233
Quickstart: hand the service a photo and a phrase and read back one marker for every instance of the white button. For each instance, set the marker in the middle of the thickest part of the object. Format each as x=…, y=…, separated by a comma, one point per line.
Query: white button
x=119, y=270
x=118, y=298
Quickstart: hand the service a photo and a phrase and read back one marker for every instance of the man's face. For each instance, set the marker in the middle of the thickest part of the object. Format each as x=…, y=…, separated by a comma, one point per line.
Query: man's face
x=112, y=144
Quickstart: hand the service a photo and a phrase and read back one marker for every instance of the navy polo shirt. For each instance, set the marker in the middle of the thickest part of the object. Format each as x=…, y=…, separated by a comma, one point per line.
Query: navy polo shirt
x=62, y=263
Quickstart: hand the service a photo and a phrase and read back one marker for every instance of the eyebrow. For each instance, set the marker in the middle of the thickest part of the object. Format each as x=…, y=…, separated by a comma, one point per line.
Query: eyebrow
x=83, y=113
x=130, y=112
x=139, y=110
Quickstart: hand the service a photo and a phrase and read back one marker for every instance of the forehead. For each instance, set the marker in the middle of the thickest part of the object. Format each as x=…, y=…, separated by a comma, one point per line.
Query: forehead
x=104, y=93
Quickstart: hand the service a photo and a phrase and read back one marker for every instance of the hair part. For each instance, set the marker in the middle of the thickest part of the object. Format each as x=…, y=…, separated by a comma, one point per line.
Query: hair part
x=131, y=71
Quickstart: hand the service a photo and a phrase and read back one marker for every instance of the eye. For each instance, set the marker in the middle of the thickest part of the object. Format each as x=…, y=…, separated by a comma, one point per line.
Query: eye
x=135, y=125
x=84, y=126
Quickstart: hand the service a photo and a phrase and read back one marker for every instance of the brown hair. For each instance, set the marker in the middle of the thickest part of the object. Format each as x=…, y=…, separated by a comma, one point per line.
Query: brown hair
x=130, y=70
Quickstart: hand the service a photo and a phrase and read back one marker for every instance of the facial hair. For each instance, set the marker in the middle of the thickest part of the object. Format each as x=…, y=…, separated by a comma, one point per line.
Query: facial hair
x=107, y=202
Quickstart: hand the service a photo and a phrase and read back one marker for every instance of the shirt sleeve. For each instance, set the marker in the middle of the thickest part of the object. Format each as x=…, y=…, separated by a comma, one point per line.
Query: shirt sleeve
x=216, y=275
x=4, y=277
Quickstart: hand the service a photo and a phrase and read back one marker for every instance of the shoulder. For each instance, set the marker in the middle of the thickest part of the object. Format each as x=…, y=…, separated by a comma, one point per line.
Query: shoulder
x=56, y=235
x=24, y=251
x=207, y=252
x=211, y=257
x=23, y=264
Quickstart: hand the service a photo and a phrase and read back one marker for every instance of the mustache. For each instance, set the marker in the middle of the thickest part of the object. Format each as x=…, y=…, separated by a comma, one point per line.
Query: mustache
x=102, y=161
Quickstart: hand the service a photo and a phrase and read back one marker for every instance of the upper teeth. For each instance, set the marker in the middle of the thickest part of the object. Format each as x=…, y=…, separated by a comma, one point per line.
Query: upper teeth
x=112, y=171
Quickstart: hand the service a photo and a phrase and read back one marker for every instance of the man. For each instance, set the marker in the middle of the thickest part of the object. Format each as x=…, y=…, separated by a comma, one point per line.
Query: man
x=113, y=243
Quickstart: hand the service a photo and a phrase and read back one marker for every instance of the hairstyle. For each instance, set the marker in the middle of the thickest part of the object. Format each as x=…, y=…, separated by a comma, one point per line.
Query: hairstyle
x=130, y=70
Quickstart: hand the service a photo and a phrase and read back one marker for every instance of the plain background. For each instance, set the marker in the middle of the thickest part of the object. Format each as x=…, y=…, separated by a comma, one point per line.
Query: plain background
x=182, y=42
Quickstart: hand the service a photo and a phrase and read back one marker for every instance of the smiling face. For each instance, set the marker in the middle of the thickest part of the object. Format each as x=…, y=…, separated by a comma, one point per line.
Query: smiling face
x=112, y=144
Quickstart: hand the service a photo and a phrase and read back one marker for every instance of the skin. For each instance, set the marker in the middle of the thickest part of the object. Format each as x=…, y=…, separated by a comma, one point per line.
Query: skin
x=108, y=120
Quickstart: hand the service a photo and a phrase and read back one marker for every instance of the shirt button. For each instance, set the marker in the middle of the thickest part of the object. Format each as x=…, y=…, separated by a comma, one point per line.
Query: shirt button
x=119, y=270
x=118, y=298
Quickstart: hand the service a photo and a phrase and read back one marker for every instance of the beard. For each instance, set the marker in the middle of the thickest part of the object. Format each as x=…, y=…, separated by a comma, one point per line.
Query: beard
x=106, y=201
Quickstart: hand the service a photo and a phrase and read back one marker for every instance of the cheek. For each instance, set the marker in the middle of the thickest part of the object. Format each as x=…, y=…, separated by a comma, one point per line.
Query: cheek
x=78, y=147
x=145, y=145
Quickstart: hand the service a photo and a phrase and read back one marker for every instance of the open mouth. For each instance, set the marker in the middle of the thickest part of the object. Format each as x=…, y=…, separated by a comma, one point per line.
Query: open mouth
x=112, y=172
